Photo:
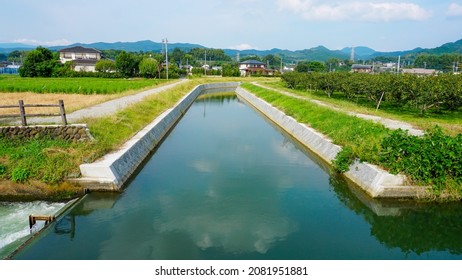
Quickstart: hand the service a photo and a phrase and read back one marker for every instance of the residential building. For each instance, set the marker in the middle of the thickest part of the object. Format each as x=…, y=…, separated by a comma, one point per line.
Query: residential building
x=360, y=68
x=251, y=67
x=83, y=59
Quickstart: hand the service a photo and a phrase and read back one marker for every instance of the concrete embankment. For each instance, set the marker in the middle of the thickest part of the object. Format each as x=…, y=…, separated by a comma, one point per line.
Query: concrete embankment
x=114, y=169
x=375, y=181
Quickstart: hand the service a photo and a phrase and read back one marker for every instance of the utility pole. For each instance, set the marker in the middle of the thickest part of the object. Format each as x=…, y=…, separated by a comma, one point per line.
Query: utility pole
x=205, y=63
x=165, y=41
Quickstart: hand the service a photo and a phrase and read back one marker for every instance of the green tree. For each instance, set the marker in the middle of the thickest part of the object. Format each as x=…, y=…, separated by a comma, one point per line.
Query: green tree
x=148, y=67
x=230, y=70
x=105, y=66
x=127, y=64
x=272, y=61
x=38, y=63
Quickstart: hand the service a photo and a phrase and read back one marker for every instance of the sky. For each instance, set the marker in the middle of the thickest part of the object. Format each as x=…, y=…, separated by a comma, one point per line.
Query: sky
x=384, y=25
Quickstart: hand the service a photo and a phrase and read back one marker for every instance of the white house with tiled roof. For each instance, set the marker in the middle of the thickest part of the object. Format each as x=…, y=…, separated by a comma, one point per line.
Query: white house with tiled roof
x=250, y=67
x=83, y=59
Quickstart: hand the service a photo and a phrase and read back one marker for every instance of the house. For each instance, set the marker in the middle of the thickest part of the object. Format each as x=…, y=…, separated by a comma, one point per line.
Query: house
x=251, y=67
x=419, y=71
x=359, y=68
x=83, y=59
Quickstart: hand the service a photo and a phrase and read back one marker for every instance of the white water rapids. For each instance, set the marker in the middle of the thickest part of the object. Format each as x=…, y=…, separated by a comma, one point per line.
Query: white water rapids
x=14, y=222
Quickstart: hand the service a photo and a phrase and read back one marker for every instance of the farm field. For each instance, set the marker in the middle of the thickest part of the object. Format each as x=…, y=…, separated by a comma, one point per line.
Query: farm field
x=77, y=93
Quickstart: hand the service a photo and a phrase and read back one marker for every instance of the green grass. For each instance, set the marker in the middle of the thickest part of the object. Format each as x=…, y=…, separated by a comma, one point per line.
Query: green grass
x=450, y=121
x=74, y=85
x=51, y=161
x=362, y=136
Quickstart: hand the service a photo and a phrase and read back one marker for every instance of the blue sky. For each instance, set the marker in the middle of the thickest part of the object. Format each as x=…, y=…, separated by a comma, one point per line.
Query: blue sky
x=384, y=25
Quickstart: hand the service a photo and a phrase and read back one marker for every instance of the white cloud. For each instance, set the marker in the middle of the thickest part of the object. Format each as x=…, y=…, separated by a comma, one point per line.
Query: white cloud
x=454, y=10
x=59, y=42
x=241, y=47
x=354, y=10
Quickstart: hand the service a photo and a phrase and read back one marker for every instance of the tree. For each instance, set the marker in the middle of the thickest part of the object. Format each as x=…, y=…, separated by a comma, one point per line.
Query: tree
x=105, y=66
x=316, y=66
x=273, y=61
x=16, y=56
x=126, y=64
x=148, y=67
x=38, y=63
x=230, y=70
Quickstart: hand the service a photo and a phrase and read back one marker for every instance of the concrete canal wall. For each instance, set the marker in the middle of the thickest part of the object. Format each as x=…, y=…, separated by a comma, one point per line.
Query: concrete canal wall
x=375, y=181
x=114, y=169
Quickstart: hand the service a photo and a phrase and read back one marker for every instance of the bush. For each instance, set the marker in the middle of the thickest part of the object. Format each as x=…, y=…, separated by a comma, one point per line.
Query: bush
x=434, y=159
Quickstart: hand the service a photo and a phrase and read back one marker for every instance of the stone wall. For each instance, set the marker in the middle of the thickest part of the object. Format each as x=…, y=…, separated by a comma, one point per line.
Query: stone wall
x=76, y=132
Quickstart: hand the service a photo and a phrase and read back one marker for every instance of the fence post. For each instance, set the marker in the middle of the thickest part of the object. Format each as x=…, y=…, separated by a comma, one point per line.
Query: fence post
x=63, y=112
x=22, y=112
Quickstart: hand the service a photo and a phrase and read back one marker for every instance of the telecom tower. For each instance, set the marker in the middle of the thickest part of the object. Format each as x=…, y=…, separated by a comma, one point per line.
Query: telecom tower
x=352, y=54
x=238, y=57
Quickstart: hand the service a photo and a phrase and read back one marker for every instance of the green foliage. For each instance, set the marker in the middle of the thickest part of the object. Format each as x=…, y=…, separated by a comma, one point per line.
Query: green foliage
x=148, y=67
x=20, y=175
x=2, y=170
x=433, y=159
x=443, y=62
x=38, y=63
x=310, y=66
x=442, y=92
x=73, y=85
x=105, y=66
x=230, y=70
x=127, y=64
x=344, y=159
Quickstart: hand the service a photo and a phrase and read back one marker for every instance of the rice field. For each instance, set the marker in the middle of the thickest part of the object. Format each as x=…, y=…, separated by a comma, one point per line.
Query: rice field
x=74, y=85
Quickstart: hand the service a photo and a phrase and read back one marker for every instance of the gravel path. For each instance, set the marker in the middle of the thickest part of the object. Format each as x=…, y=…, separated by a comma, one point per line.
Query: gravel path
x=388, y=123
x=106, y=108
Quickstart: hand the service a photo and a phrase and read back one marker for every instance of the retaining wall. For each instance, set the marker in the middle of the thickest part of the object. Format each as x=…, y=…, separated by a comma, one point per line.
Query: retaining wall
x=75, y=132
x=114, y=169
x=375, y=181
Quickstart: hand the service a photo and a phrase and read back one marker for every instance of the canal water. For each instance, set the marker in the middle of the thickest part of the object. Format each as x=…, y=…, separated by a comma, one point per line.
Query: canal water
x=228, y=184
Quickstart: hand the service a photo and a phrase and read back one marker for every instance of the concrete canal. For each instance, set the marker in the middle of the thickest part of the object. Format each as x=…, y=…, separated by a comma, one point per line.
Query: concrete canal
x=228, y=184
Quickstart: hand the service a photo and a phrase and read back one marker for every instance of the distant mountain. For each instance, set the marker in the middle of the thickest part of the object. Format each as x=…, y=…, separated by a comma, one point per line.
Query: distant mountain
x=319, y=53
x=9, y=47
x=454, y=47
x=144, y=46
x=360, y=51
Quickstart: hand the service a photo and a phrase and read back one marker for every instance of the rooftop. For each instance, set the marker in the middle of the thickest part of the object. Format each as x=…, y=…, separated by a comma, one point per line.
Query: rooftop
x=80, y=49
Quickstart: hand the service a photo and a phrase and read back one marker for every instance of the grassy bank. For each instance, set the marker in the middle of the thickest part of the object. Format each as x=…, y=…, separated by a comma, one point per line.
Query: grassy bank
x=449, y=121
x=30, y=164
x=434, y=159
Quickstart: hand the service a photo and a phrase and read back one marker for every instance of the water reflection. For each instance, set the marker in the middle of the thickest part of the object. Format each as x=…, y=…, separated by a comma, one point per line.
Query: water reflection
x=417, y=228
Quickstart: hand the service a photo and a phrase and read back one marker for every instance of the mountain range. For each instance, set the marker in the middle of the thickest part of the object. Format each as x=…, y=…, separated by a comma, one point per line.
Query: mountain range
x=319, y=53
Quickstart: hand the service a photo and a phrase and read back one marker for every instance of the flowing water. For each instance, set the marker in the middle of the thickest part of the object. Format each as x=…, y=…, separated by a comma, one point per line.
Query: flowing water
x=14, y=222
x=228, y=184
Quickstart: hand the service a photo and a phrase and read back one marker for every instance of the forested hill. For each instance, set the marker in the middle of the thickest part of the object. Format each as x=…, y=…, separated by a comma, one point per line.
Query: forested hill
x=319, y=53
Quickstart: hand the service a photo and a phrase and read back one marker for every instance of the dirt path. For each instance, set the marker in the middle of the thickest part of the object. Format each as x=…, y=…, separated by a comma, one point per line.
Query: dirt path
x=388, y=123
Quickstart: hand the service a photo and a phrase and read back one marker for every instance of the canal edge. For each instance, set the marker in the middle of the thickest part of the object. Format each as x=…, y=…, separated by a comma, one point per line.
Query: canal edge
x=375, y=181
